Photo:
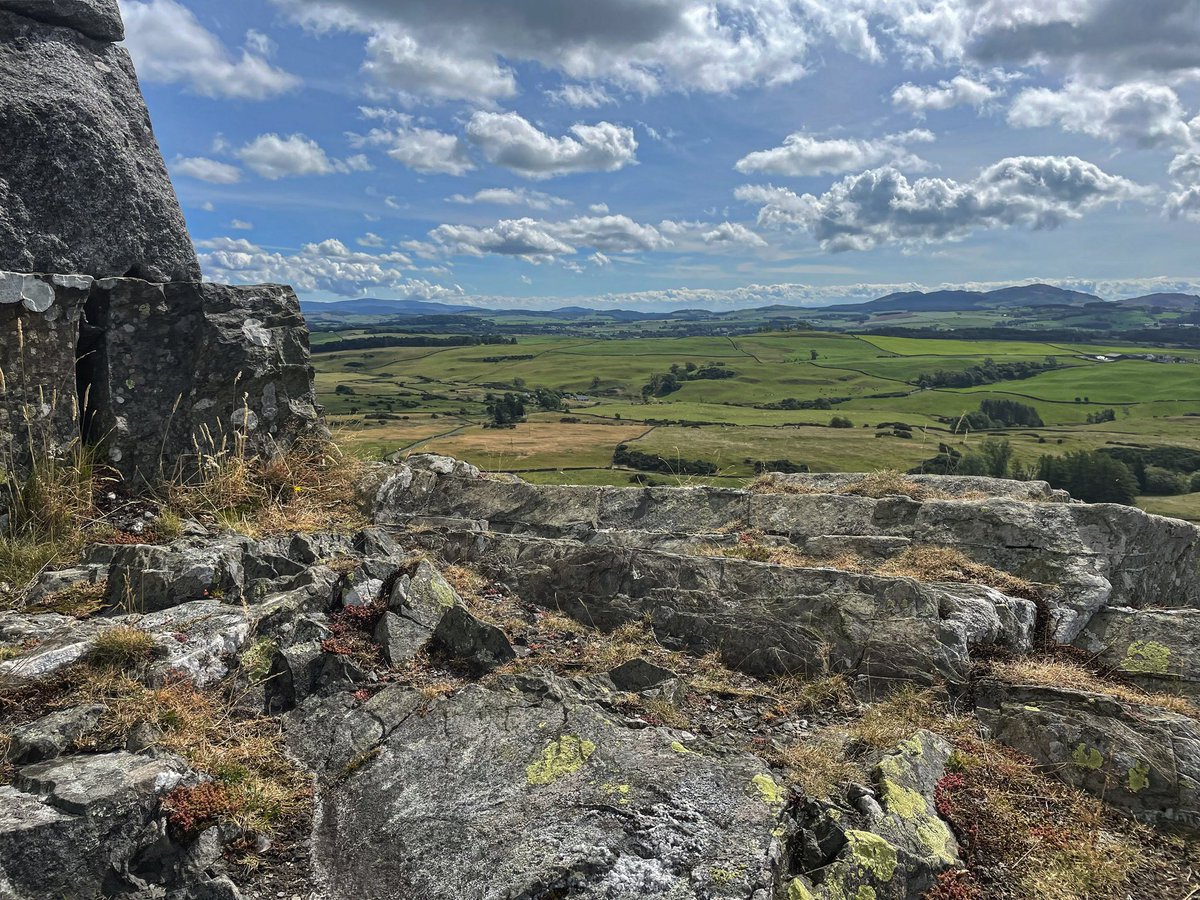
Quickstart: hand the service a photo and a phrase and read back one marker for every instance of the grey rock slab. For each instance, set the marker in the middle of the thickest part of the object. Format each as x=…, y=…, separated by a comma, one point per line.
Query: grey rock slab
x=477, y=646
x=762, y=619
x=639, y=674
x=526, y=790
x=97, y=19
x=399, y=638
x=1137, y=756
x=73, y=826
x=83, y=186
x=424, y=597
x=52, y=735
x=1158, y=649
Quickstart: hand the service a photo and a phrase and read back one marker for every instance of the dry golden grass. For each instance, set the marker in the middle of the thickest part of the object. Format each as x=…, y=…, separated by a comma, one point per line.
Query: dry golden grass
x=887, y=722
x=921, y=563
x=309, y=488
x=1057, y=671
x=79, y=601
x=818, y=767
x=932, y=563
x=751, y=547
x=51, y=516
x=244, y=755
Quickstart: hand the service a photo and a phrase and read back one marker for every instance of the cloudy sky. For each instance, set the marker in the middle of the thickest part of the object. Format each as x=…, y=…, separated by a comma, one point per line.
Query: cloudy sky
x=664, y=152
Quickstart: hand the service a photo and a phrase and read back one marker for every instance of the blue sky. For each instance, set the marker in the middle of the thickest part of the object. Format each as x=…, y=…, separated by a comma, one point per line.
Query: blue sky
x=656, y=153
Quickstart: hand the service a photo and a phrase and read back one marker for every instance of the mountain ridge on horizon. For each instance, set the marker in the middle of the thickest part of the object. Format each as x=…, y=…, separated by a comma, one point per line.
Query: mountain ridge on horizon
x=1027, y=295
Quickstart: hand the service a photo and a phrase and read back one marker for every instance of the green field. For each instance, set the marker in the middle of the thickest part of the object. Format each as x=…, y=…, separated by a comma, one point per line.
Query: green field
x=432, y=399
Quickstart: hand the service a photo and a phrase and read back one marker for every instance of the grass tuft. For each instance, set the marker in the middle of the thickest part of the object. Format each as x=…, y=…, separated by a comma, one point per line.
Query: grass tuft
x=1063, y=672
x=120, y=648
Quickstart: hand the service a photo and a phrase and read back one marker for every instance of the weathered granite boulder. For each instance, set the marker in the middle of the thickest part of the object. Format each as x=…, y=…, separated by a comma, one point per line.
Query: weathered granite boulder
x=525, y=789
x=1134, y=755
x=83, y=186
x=182, y=368
x=97, y=19
x=39, y=406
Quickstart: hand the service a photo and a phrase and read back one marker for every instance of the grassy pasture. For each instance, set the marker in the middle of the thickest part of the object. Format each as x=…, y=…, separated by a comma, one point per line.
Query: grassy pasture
x=423, y=399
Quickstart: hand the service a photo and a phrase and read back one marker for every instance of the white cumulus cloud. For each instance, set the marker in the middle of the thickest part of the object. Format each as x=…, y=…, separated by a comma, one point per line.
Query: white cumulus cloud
x=327, y=266
x=274, y=156
x=511, y=197
x=204, y=169
x=509, y=140
x=169, y=45
x=1140, y=113
x=961, y=90
x=881, y=206
x=802, y=154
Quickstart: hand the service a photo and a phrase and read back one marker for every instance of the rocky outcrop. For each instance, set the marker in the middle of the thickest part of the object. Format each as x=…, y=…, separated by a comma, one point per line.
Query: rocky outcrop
x=83, y=186
x=589, y=705
x=76, y=826
x=1088, y=556
x=891, y=843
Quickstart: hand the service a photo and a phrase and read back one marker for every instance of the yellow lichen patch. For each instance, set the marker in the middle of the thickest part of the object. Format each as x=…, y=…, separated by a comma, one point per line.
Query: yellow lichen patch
x=865, y=892
x=902, y=801
x=912, y=807
x=872, y=853
x=619, y=792
x=797, y=890
x=1139, y=778
x=1087, y=757
x=679, y=748
x=1147, y=658
x=725, y=876
x=560, y=758
x=767, y=788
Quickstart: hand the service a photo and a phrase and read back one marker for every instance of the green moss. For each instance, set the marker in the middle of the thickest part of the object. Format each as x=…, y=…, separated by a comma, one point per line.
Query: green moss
x=560, y=758
x=1139, y=778
x=872, y=853
x=1087, y=757
x=797, y=890
x=767, y=788
x=1147, y=658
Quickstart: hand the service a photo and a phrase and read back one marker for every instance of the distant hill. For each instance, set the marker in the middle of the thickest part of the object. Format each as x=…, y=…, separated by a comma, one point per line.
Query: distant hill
x=1017, y=296
x=373, y=306
x=1163, y=301
x=947, y=301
